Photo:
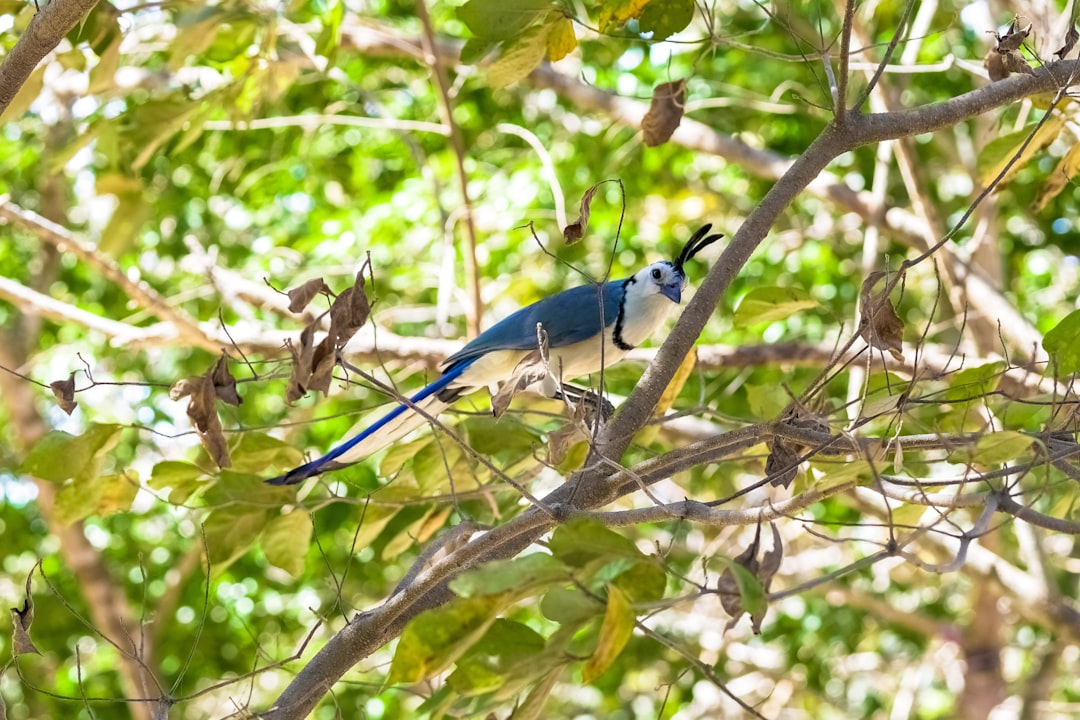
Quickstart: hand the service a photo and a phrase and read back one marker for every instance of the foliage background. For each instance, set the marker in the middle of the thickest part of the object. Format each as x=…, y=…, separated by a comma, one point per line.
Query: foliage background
x=195, y=157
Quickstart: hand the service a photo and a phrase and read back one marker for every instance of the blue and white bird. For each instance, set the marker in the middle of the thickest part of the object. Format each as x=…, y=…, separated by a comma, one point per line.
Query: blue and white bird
x=623, y=312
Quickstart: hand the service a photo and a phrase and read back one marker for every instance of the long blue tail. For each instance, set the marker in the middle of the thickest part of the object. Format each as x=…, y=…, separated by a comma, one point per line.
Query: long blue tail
x=329, y=461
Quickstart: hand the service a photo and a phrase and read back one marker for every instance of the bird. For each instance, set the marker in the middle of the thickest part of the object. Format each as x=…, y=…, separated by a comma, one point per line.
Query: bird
x=542, y=344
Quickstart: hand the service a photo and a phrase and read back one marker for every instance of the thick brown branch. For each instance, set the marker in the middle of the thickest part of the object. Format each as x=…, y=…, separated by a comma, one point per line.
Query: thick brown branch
x=52, y=22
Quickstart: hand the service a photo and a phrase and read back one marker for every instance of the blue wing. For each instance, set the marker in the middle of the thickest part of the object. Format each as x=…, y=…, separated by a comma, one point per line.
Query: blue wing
x=568, y=317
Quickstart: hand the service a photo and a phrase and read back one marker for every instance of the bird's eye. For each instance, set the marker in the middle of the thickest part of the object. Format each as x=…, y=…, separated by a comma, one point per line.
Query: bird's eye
x=656, y=273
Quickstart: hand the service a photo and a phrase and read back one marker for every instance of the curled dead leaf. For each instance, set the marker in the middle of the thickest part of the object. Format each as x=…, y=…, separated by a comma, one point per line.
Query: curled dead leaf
x=224, y=383
x=301, y=364
x=764, y=570
x=349, y=311
x=300, y=296
x=64, y=391
x=21, y=620
x=879, y=324
x=995, y=66
x=782, y=464
x=1013, y=38
x=665, y=112
x=1014, y=62
x=576, y=230
x=1070, y=42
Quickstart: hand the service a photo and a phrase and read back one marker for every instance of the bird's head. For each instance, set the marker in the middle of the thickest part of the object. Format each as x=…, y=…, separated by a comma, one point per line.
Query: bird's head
x=669, y=278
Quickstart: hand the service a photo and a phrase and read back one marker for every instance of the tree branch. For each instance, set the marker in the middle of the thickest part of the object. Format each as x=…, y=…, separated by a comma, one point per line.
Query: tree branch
x=48, y=27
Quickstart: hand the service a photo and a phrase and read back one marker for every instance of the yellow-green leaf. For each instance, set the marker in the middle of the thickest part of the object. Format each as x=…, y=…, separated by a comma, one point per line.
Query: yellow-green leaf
x=561, y=39
x=664, y=18
x=1063, y=343
x=519, y=58
x=230, y=531
x=768, y=304
x=286, y=540
x=436, y=638
x=998, y=447
x=997, y=153
x=500, y=19
x=615, y=631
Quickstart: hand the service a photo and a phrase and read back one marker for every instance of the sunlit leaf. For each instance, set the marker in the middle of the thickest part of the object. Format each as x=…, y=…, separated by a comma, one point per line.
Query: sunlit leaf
x=769, y=304
x=583, y=540
x=286, y=539
x=521, y=574
x=500, y=19
x=519, y=58
x=436, y=638
x=561, y=39
x=1061, y=342
x=664, y=18
x=230, y=531
x=615, y=631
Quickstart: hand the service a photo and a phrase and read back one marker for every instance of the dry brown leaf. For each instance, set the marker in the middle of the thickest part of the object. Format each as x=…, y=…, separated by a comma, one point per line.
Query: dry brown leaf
x=224, y=383
x=665, y=112
x=301, y=364
x=323, y=362
x=22, y=619
x=783, y=462
x=995, y=66
x=1015, y=62
x=879, y=324
x=1013, y=39
x=1070, y=42
x=576, y=230
x=299, y=297
x=64, y=390
x=349, y=312
x=763, y=570
x=203, y=413
x=528, y=371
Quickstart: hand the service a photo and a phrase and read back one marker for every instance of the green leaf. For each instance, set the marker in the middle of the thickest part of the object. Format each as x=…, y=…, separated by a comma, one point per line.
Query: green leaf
x=520, y=575
x=247, y=489
x=58, y=456
x=256, y=452
x=664, y=18
x=583, y=540
x=230, y=531
x=184, y=479
x=476, y=49
x=751, y=592
x=500, y=19
x=505, y=645
x=643, y=582
x=769, y=304
x=996, y=448
x=974, y=383
x=616, y=12
x=330, y=36
x=103, y=496
x=400, y=453
x=286, y=541
x=766, y=401
x=615, y=632
x=532, y=706
x=569, y=606
x=561, y=39
x=435, y=638
x=997, y=153
x=519, y=58
x=1063, y=343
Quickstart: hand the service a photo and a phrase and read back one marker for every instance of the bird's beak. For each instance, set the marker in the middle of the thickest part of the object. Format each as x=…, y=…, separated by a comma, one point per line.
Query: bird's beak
x=672, y=292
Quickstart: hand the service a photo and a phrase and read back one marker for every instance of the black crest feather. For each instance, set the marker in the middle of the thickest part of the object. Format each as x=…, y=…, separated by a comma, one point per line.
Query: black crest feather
x=696, y=244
